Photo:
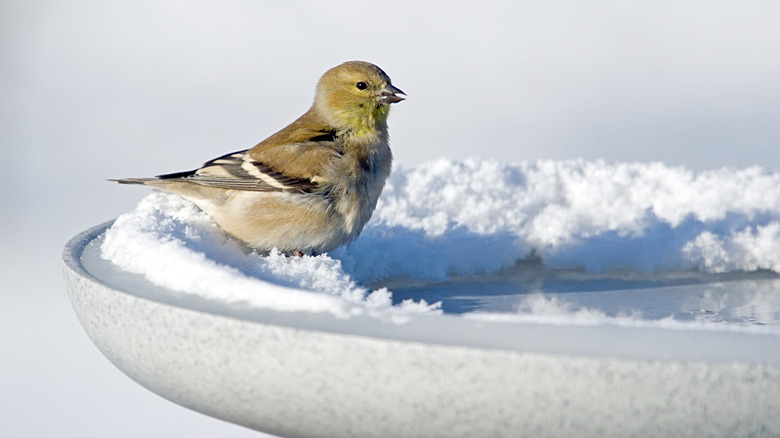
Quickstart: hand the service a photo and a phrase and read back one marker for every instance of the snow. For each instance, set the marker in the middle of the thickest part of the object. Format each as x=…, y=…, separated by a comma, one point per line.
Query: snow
x=596, y=215
x=668, y=244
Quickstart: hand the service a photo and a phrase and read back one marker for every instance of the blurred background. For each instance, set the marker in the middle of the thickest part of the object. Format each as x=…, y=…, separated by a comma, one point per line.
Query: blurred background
x=97, y=89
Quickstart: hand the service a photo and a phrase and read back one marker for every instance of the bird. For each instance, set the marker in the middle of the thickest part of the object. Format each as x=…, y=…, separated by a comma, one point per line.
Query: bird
x=312, y=186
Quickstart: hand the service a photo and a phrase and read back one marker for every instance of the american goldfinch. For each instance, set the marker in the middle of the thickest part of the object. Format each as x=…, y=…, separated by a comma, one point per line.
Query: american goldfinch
x=310, y=187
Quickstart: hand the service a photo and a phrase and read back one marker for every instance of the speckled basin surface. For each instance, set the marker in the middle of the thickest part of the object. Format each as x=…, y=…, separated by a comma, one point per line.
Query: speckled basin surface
x=300, y=374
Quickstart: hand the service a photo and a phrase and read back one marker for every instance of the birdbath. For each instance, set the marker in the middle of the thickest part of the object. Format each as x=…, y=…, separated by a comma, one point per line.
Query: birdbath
x=316, y=374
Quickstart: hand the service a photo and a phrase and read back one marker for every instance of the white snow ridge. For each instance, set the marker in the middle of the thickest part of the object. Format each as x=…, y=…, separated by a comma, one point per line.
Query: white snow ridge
x=450, y=220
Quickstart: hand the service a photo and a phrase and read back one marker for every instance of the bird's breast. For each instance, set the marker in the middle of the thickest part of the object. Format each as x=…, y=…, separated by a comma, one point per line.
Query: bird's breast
x=361, y=189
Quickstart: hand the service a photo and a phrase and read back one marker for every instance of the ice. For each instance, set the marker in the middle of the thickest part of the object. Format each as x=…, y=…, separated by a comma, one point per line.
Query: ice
x=583, y=240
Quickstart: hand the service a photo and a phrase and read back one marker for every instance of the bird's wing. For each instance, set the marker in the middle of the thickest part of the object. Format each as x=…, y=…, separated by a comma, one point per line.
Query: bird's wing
x=296, y=159
x=306, y=148
x=239, y=171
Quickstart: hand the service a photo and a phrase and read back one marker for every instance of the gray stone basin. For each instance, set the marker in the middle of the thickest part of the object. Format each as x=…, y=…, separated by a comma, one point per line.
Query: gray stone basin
x=301, y=374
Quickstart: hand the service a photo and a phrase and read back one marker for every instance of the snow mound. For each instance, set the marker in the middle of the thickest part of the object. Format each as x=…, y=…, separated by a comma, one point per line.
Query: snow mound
x=449, y=218
x=598, y=216
x=175, y=245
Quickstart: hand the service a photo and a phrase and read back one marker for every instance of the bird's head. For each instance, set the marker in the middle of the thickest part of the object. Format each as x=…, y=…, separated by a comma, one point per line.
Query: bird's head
x=356, y=96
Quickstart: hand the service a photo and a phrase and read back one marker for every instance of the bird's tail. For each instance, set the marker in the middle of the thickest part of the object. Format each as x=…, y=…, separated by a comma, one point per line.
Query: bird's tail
x=176, y=183
x=157, y=180
x=143, y=181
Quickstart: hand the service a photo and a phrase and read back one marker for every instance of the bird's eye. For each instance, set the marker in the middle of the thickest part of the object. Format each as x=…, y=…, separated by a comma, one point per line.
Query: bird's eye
x=361, y=85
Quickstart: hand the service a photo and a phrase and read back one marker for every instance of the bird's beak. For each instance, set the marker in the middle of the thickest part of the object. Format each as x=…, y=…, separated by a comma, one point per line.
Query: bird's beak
x=390, y=94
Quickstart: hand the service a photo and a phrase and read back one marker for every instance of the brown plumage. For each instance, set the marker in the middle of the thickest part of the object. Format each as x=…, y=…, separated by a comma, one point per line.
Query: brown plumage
x=310, y=187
